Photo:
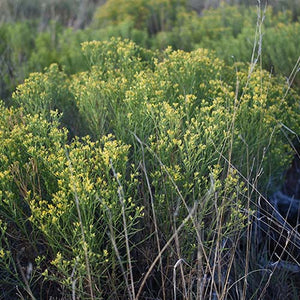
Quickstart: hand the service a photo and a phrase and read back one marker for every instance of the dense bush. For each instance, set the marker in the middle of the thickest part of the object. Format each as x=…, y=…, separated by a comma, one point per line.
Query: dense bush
x=15, y=50
x=132, y=169
x=193, y=140
x=237, y=42
x=62, y=207
x=153, y=16
x=231, y=31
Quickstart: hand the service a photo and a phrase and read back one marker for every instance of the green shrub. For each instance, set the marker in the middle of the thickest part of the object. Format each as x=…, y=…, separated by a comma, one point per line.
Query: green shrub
x=16, y=45
x=127, y=86
x=197, y=128
x=228, y=30
x=65, y=205
x=277, y=56
x=231, y=45
x=43, y=92
x=194, y=138
x=191, y=121
x=154, y=15
x=45, y=50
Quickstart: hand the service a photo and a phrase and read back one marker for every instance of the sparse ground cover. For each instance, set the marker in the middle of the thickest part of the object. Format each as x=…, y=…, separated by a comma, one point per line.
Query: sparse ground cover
x=146, y=173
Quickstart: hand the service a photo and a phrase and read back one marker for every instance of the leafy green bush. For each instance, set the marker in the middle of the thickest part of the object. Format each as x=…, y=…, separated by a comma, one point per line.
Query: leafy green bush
x=15, y=50
x=61, y=206
x=228, y=30
x=186, y=136
x=127, y=86
x=232, y=42
x=197, y=128
x=153, y=15
x=44, y=92
x=123, y=90
x=25, y=50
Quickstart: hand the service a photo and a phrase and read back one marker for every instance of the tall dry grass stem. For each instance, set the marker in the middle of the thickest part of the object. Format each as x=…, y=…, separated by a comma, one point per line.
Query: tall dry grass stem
x=122, y=199
x=87, y=263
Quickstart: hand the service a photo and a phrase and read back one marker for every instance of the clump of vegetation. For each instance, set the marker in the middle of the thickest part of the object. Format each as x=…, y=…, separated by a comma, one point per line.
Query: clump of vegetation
x=137, y=156
x=66, y=209
x=163, y=193
x=228, y=30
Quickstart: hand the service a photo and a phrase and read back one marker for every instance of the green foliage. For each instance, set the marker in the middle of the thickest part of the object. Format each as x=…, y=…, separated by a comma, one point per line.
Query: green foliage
x=236, y=43
x=153, y=15
x=15, y=50
x=121, y=94
x=126, y=85
x=194, y=126
x=177, y=144
x=43, y=92
x=281, y=57
x=67, y=196
x=228, y=30
x=46, y=49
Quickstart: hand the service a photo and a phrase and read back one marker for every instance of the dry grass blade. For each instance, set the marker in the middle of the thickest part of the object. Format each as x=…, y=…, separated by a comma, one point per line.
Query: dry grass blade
x=88, y=269
x=164, y=248
x=143, y=166
x=121, y=198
